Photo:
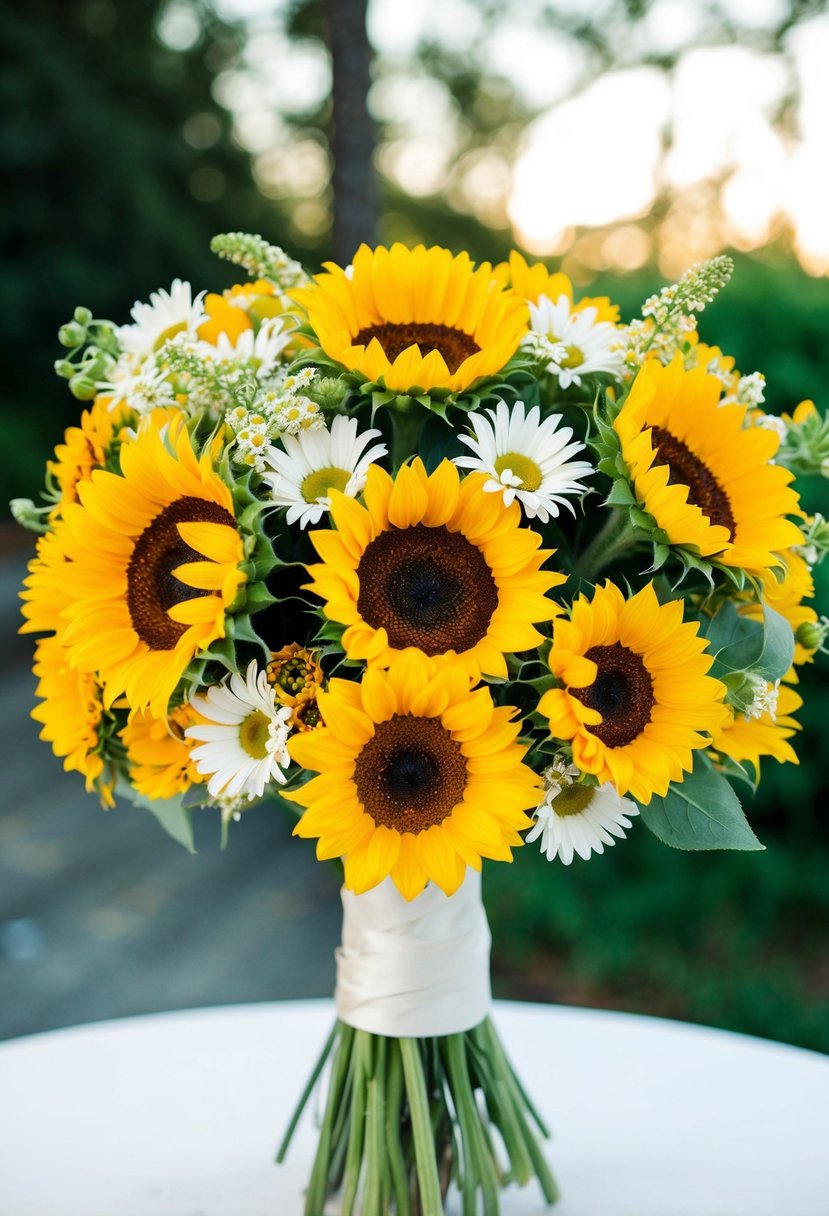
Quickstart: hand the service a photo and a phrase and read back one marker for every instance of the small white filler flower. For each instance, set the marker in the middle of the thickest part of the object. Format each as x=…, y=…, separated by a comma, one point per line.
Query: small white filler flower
x=316, y=462
x=575, y=818
x=526, y=459
x=168, y=313
x=242, y=743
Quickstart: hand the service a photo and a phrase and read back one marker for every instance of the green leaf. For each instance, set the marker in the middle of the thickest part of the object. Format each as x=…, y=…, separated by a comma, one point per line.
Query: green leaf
x=742, y=644
x=702, y=812
x=176, y=819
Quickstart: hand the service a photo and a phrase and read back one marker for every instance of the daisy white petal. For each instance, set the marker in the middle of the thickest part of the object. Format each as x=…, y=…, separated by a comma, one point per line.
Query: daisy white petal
x=242, y=744
x=526, y=458
x=168, y=313
x=572, y=341
x=576, y=819
x=314, y=463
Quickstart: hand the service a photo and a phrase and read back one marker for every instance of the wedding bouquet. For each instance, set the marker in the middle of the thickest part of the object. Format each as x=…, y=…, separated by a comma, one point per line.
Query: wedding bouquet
x=448, y=561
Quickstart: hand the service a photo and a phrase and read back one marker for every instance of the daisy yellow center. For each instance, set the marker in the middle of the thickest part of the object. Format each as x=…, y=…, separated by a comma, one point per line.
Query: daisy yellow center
x=411, y=773
x=321, y=482
x=254, y=734
x=520, y=466
x=168, y=334
x=574, y=357
x=453, y=344
x=622, y=693
x=704, y=491
x=427, y=587
x=152, y=588
x=573, y=799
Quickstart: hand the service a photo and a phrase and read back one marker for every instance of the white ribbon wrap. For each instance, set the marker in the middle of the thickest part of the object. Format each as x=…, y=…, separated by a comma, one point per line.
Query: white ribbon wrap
x=414, y=969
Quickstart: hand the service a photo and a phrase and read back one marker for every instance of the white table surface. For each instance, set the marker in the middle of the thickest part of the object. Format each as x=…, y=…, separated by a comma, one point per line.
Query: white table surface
x=178, y=1115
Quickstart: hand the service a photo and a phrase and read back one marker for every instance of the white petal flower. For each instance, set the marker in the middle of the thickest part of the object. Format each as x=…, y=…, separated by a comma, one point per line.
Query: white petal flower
x=581, y=819
x=262, y=349
x=168, y=313
x=243, y=740
x=316, y=462
x=142, y=387
x=572, y=340
x=526, y=459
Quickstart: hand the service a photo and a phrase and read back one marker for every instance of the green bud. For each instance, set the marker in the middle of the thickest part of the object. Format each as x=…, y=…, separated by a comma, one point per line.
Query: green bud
x=94, y=368
x=327, y=391
x=71, y=334
x=82, y=387
x=812, y=634
x=65, y=369
x=25, y=513
x=82, y=315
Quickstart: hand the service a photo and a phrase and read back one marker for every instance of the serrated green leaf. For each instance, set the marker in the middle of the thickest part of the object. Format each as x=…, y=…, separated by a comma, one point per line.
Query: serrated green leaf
x=702, y=812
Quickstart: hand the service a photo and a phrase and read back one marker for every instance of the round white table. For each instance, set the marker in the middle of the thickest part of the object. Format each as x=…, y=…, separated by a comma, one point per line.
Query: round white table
x=178, y=1115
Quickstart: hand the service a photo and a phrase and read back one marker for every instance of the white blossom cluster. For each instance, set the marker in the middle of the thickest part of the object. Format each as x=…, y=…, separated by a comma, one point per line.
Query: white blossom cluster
x=283, y=408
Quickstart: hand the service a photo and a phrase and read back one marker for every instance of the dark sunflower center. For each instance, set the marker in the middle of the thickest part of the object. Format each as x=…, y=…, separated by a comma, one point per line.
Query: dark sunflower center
x=704, y=491
x=411, y=774
x=622, y=693
x=427, y=587
x=152, y=587
x=394, y=337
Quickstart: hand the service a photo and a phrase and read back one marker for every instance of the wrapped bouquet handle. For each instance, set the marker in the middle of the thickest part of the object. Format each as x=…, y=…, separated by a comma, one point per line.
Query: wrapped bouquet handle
x=414, y=969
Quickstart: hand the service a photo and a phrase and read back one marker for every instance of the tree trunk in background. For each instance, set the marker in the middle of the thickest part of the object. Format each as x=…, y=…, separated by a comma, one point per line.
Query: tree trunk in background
x=352, y=137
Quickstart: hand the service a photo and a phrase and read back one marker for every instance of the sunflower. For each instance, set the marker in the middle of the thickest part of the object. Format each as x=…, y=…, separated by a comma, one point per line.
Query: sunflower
x=415, y=319
x=153, y=567
x=86, y=447
x=419, y=777
x=704, y=477
x=433, y=562
x=44, y=591
x=533, y=280
x=744, y=738
x=296, y=677
x=158, y=753
x=635, y=699
x=72, y=716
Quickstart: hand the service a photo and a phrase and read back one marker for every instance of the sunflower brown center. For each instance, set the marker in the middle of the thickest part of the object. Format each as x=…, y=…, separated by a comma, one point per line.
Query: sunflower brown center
x=395, y=337
x=704, y=491
x=622, y=693
x=152, y=588
x=427, y=587
x=411, y=773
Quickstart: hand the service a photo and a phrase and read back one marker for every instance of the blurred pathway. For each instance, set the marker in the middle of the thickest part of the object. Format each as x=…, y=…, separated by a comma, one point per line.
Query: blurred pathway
x=102, y=915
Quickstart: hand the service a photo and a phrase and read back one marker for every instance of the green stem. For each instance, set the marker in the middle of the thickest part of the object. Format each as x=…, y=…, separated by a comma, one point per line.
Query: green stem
x=406, y=426
x=356, y=1132
x=427, y=1169
x=394, y=1110
x=616, y=537
x=305, y=1095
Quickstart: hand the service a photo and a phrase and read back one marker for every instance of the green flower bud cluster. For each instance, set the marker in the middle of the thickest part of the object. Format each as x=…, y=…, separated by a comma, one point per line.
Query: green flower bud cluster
x=260, y=259
x=93, y=348
x=812, y=635
x=806, y=446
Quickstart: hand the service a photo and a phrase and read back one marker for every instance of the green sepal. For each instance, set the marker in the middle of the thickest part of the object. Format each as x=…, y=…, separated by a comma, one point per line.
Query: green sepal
x=620, y=495
x=702, y=812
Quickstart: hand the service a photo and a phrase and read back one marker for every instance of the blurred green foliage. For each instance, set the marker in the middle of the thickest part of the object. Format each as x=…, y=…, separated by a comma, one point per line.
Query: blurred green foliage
x=122, y=167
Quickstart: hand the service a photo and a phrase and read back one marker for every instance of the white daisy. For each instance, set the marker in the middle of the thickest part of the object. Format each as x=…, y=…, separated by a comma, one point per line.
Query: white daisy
x=575, y=818
x=316, y=462
x=167, y=314
x=142, y=387
x=526, y=459
x=243, y=740
x=262, y=349
x=572, y=341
